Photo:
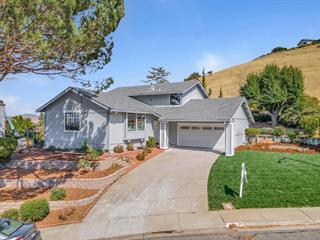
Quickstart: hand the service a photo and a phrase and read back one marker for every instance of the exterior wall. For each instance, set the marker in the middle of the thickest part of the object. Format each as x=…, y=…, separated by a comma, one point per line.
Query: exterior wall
x=93, y=123
x=193, y=93
x=173, y=133
x=2, y=119
x=120, y=135
x=241, y=122
x=155, y=100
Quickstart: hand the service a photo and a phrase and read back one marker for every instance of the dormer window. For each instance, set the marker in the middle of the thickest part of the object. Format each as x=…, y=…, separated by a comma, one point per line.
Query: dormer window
x=175, y=99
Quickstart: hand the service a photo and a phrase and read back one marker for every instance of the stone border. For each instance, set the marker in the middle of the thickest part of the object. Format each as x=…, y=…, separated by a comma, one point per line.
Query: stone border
x=55, y=164
x=93, y=183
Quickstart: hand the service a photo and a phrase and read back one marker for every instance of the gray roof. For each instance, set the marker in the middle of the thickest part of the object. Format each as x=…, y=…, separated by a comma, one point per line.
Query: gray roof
x=203, y=110
x=155, y=89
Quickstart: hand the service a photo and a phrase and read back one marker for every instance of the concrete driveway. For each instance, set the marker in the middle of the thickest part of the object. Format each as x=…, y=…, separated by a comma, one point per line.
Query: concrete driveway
x=153, y=197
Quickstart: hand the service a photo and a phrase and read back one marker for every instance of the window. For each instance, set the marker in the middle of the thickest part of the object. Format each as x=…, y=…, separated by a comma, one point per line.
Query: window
x=219, y=128
x=136, y=122
x=72, y=121
x=141, y=121
x=184, y=127
x=175, y=99
x=207, y=128
x=195, y=128
x=132, y=121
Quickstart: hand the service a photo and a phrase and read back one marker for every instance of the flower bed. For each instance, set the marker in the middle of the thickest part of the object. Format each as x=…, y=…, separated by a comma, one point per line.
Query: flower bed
x=277, y=147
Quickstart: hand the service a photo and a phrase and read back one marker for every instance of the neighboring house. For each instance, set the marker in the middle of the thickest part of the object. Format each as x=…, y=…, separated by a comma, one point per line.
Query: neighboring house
x=2, y=118
x=304, y=42
x=176, y=114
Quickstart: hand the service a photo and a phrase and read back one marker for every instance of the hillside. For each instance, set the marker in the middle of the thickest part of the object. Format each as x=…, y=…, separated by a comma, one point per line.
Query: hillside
x=307, y=58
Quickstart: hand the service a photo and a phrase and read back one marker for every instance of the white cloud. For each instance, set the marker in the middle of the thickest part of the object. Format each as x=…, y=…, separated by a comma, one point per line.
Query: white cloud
x=16, y=106
x=210, y=62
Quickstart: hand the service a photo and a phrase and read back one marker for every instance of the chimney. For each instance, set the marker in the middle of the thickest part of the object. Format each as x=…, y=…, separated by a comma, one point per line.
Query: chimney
x=2, y=118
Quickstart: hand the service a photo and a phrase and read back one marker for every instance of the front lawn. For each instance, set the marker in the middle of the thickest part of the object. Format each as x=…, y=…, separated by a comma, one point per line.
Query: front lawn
x=274, y=180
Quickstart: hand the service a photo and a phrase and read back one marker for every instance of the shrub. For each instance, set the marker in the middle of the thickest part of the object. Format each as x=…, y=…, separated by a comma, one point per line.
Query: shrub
x=267, y=131
x=85, y=147
x=310, y=124
x=51, y=148
x=92, y=154
x=261, y=117
x=84, y=164
x=151, y=142
x=7, y=147
x=279, y=131
x=130, y=147
x=118, y=149
x=11, y=213
x=148, y=150
x=141, y=156
x=252, y=132
x=279, y=49
x=34, y=210
x=292, y=135
x=57, y=194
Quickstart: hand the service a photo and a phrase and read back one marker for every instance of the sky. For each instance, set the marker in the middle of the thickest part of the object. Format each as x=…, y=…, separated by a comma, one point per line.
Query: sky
x=183, y=36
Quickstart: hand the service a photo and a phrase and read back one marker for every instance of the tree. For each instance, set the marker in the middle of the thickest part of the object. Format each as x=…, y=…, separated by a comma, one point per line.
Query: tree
x=193, y=76
x=274, y=89
x=157, y=75
x=58, y=38
x=204, y=83
x=308, y=105
x=220, y=93
x=39, y=137
x=22, y=124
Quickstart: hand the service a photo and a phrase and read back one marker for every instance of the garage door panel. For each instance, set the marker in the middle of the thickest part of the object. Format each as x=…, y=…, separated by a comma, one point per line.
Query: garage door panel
x=202, y=135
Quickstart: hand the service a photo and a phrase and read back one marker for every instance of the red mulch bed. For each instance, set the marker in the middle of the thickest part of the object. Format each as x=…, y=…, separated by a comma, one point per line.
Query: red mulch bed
x=11, y=173
x=65, y=216
x=16, y=194
x=278, y=147
x=43, y=154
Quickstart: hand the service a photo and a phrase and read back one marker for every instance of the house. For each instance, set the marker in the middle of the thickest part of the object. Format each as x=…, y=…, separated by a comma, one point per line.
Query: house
x=176, y=114
x=304, y=42
x=2, y=118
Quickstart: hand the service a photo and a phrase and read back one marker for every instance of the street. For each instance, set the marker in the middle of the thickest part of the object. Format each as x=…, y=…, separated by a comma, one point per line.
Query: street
x=307, y=234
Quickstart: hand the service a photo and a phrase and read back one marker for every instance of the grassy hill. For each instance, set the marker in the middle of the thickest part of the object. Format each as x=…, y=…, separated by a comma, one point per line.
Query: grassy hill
x=306, y=58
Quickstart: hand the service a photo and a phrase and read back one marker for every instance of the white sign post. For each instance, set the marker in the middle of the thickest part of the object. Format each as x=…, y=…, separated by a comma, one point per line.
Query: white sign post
x=243, y=178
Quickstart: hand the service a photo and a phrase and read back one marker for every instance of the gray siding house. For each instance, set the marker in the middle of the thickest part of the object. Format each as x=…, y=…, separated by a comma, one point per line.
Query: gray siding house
x=176, y=114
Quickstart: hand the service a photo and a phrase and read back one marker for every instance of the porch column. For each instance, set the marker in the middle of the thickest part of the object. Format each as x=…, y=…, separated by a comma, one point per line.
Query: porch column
x=164, y=135
x=229, y=145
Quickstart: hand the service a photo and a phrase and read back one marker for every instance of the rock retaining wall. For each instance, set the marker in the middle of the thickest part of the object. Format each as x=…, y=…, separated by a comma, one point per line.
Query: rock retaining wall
x=54, y=164
x=95, y=183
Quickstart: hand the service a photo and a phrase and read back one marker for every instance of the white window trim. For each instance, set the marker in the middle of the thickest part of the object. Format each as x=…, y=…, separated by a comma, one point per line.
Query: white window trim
x=64, y=120
x=145, y=122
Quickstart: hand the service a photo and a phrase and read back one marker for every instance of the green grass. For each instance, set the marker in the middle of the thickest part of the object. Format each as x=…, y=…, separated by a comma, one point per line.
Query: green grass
x=274, y=180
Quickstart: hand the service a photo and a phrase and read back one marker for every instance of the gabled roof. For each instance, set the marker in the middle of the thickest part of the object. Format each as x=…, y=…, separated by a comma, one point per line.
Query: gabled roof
x=201, y=110
x=121, y=99
x=205, y=110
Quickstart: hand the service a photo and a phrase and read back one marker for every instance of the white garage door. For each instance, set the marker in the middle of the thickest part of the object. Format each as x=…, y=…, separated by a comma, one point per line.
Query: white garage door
x=201, y=135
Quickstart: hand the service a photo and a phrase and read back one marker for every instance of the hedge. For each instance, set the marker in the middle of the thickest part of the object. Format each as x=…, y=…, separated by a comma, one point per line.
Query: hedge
x=34, y=210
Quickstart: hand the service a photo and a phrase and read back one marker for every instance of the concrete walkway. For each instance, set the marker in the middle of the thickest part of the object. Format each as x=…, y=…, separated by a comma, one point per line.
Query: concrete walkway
x=169, y=194
x=151, y=198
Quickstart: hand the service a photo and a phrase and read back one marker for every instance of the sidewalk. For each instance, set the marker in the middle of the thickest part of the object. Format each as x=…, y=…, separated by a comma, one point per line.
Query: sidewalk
x=141, y=226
